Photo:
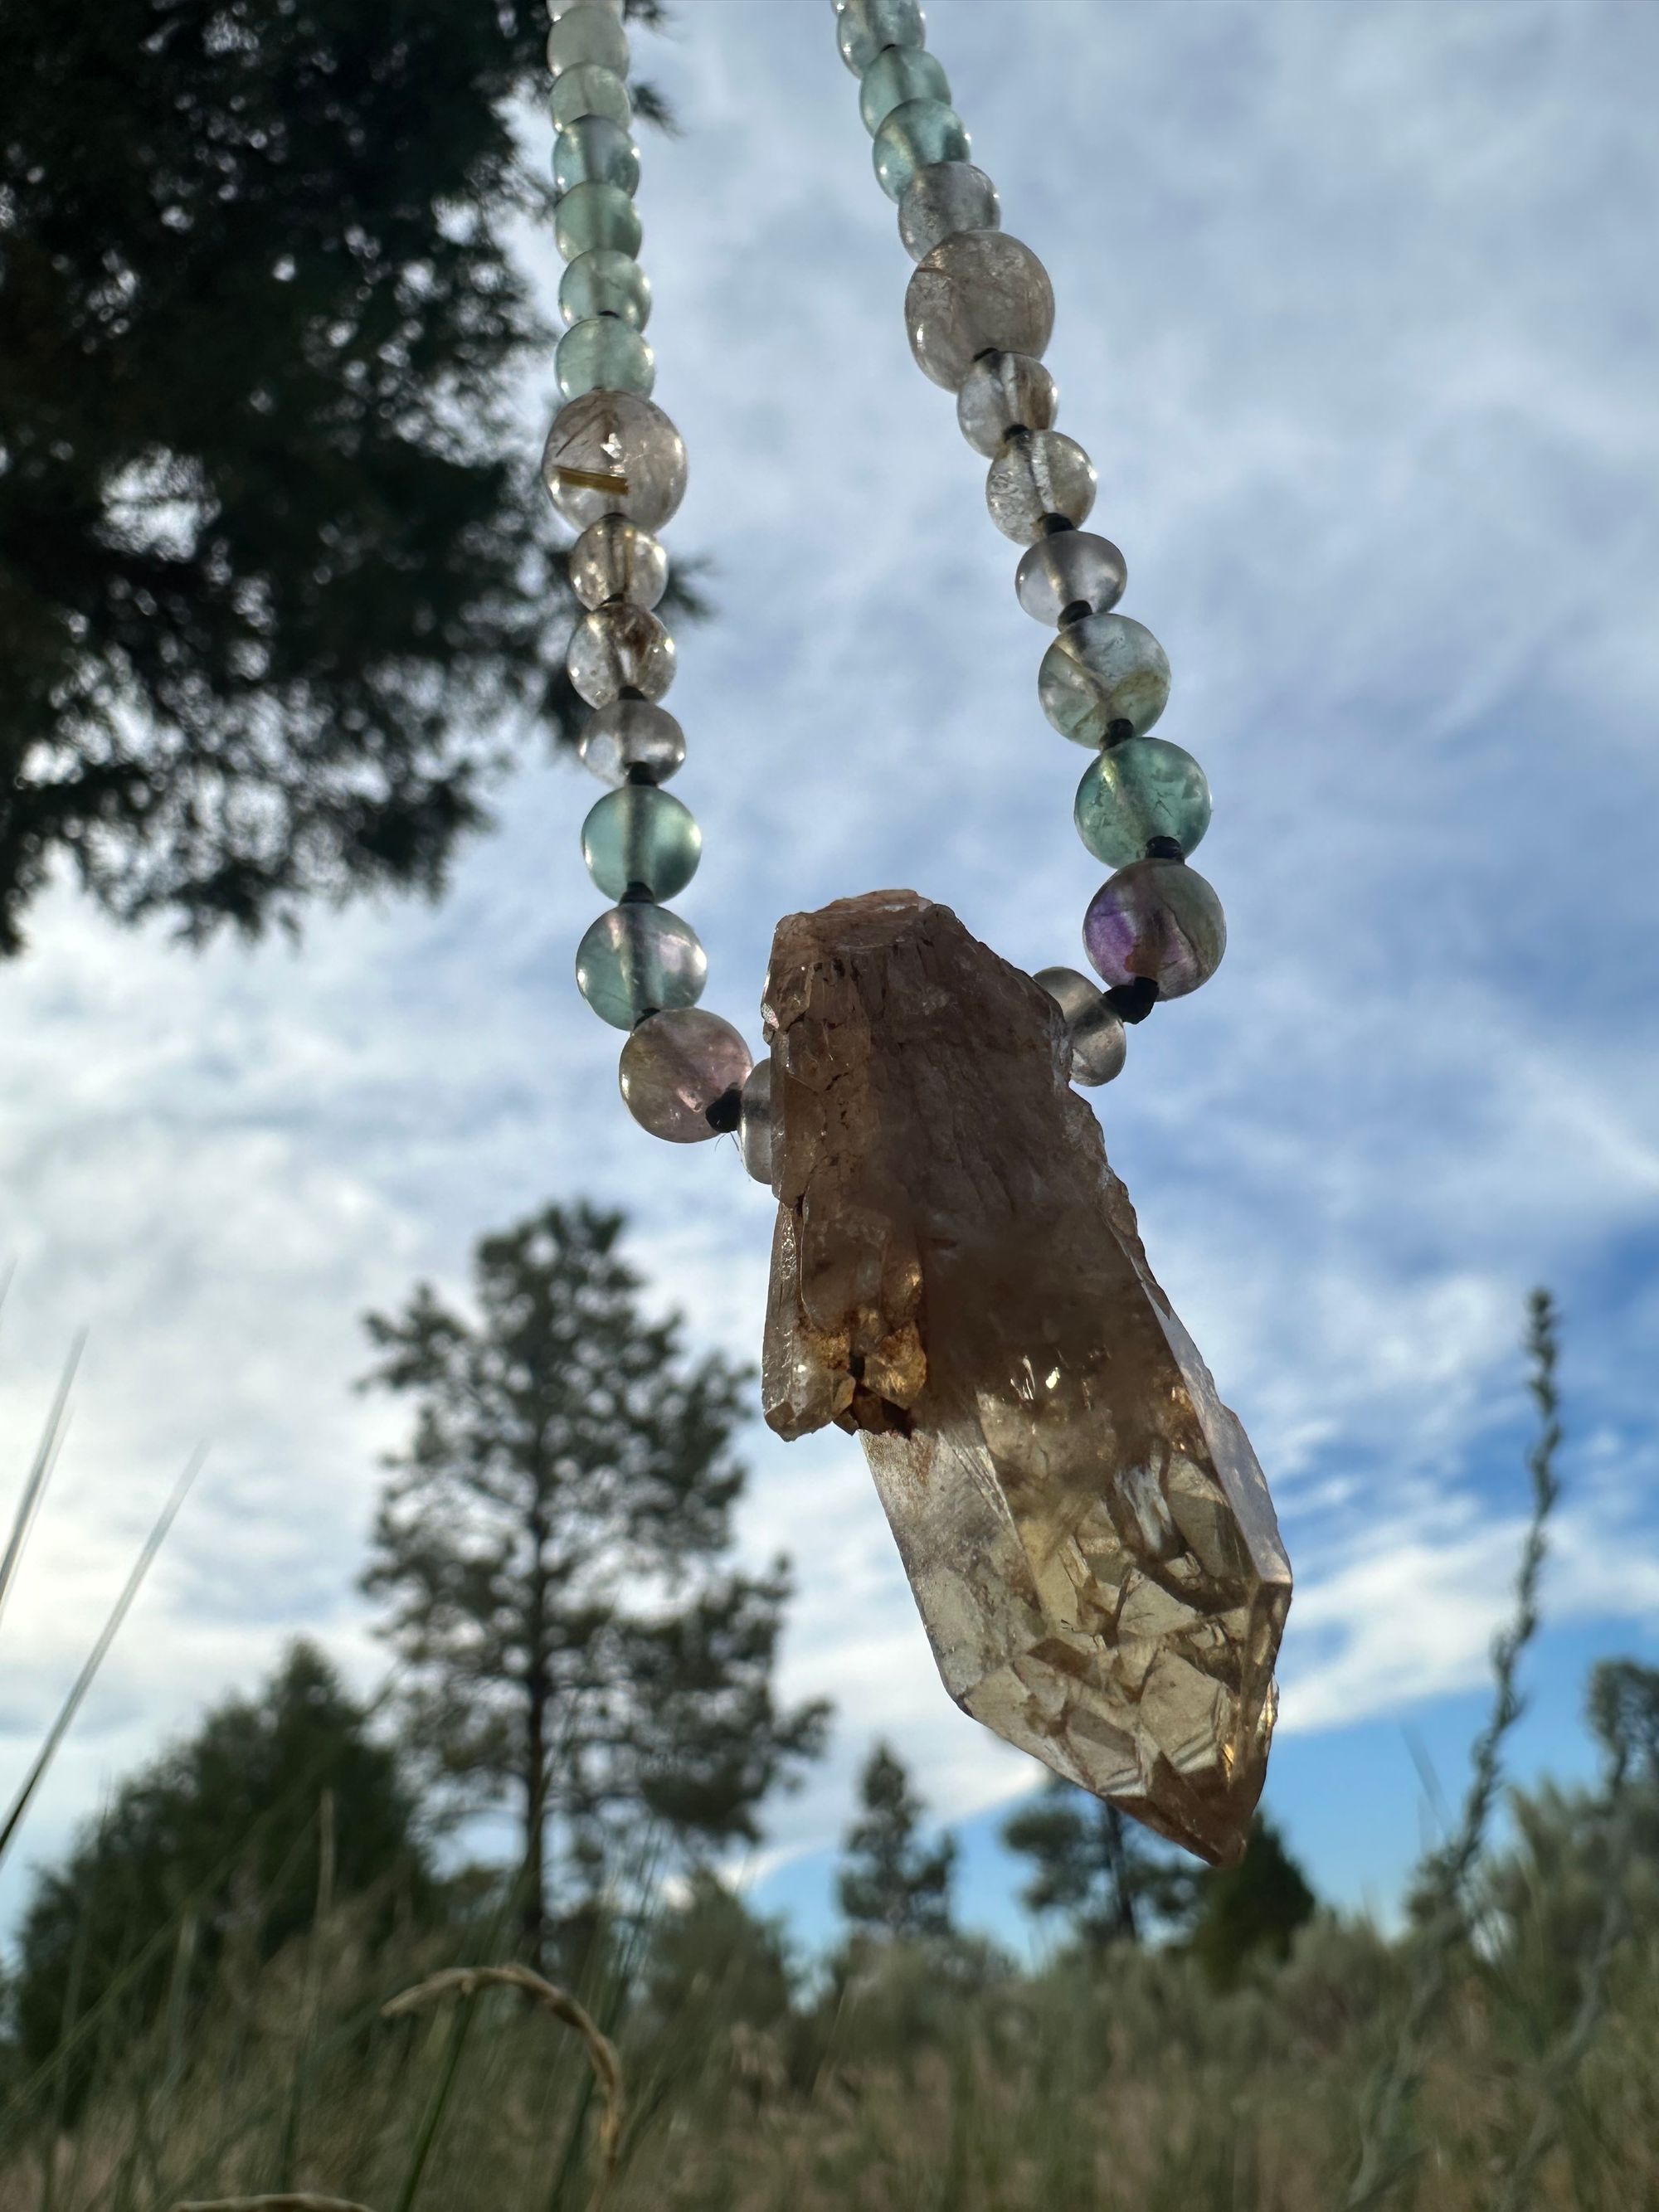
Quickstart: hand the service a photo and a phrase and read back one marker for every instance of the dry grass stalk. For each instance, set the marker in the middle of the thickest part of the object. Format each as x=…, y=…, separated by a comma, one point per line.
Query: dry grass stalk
x=467, y=1981
x=287, y=2203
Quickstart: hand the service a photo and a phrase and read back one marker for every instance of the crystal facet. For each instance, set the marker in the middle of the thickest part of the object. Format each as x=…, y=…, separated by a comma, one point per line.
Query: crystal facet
x=1102, y=671
x=1089, y=1537
x=676, y=1066
x=1143, y=788
x=977, y=292
x=942, y=198
x=1037, y=473
x=612, y=453
x=637, y=960
x=1157, y=921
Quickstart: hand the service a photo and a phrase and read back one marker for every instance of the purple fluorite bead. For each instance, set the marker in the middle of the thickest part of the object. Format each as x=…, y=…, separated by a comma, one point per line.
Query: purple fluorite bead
x=1156, y=919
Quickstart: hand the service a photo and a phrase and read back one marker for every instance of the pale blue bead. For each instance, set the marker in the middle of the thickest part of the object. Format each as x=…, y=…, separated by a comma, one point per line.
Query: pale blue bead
x=593, y=216
x=637, y=960
x=605, y=355
x=1143, y=788
x=594, y=150
x=865, y=27
x=914, y=137
x=1102, y=671
x=587, y=35
x=590, y=90
x=899, y=74
x=641, y=838
x=605, y=283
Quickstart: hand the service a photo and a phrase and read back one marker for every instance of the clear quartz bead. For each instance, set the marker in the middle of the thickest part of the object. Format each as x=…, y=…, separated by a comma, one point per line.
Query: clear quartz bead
x=632, y=736
x=605, y=283
x=1143, y=788
x=619, y=648
x=676, y=1069
x=1037, y=473
x=914, y=137
x=1095, y=1033
x=588, y=89
x=1073, y=569
x=588, y=34
x=641, y=839
x=1159, y=920
x=979, y=292
x=755, y=1122
x=1002, y=393
x=1100, y=672
x=942, y=199
x=604, y=354
x=591, y=218
x=593, y=150
x=899, y=74
x=640, y=959
x=557, y=8
x=863, y=27
x=617, y=560
x=612, y=453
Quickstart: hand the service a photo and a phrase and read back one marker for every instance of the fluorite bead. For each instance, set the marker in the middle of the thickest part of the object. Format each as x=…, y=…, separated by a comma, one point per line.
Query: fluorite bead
x=942, y=198
x=605, y=283
x=588, y=34
x=1036, y=474
x=612, y=453
x=676, y=1069
x=632, y=736
x=594, y=150
x=640, y=838
x=605, y=353
x=899, y=74
x=1094, y=1032
x=1143, y=788
x=755, y=1122
x=1100, y=671
x=619, y=648
x=640, y=959
x=592, y=216
x=617, y=560
x=1004, y=392
x=865, y=27
x=1156, y=919
x=557, y=8
x=912, y=138
x=1073, y=569
x=977, y=292
x=587, y=89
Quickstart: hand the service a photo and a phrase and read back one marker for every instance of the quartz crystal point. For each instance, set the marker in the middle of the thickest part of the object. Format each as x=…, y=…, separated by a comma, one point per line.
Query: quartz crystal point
x=956, y=1276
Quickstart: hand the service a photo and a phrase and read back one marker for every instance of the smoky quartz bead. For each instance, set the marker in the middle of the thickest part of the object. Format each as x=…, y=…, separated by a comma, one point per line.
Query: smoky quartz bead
x=1036, y=474
x=640, y=959
x=1158, y=920
x=639, y=839
x=604, y=355
x=619, y=648
x=914, y=137
x=1143, y=788
x=755, y=1122
x=629, y=738
x=605, y=283
x=676, y=1069
x=976, y=292
x=1094, y=1032
x=617, y=560
x=612, y=453
x=590, y=217
x=1004, y=392
x=942, y=199
x=899, y=74
x=588, y=89
x=1102, y=671
x=588, y=34
x=594, y=150
x=1073, y=569
x=863, y=27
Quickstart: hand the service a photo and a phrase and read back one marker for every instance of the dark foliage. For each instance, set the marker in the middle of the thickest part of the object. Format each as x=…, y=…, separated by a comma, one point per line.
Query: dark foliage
x=1090, y=1863
x=890, y=1884
x=1253, y=1909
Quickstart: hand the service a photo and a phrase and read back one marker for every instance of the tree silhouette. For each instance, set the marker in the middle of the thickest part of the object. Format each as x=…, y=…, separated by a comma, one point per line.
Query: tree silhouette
x=1255, y=1906
x=1110, y=1879
x=889, y=1883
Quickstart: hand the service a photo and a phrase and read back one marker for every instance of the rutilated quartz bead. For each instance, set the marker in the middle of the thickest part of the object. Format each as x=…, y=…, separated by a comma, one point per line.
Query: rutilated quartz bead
x=1073, y=569
x=617, y=560
x=914, y=137
x=584, y=36
x=1156, y=919
x=630, y=737
x=899, y=74
x=590, y=90
x=677, y=1068
x=1093, y=1031
x=1002, y=393
x=594, y=150
x=641, y=839
x=865, y=27
x=605, y=283
x=612, y=453
x=942, y=199
x=589, y=218
x=1036, y=474
x=619, y=648
x=604, y=354
x=1143, y=788
x=640, y=959
x=1100, y=672
x=977, y=292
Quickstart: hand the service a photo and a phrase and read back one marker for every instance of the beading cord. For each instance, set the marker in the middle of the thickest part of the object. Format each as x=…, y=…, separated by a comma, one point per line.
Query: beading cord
x=979, y=310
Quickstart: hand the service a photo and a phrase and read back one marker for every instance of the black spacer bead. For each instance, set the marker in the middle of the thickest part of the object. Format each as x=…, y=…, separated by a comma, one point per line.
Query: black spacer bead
x=638, y=895
x=1117, y=731
x=1078, y=610
x=726, y=1112
x=1133, y=1002
x=641, y=772
x=1053, y=524
x=632, y=691
x=1165, y=848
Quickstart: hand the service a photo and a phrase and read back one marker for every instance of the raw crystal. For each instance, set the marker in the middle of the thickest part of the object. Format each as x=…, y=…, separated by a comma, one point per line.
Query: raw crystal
x=958, y=1277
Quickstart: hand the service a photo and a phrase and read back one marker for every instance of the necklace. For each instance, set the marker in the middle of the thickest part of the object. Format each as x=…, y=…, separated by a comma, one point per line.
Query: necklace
x=956, y=1274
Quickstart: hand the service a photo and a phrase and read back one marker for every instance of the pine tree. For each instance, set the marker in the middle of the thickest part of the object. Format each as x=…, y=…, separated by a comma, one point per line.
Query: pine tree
x=1255, y=1906
x=553, y=1550
x=1090, y=1862
x=278, y=590
x=889, y=1883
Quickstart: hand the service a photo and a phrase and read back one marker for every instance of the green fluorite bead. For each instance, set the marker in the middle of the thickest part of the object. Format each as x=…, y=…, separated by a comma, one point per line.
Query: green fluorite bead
x=587, y=36
x=641, y=838
x=594, y=150
x=638, y=960
x=604, y=355
x=590, y=89
x=590, y=216
x=1101, y=671
x=914, y=137
x=605, y=283
x=899, y=74
x=1143, y=788
x=866, y=26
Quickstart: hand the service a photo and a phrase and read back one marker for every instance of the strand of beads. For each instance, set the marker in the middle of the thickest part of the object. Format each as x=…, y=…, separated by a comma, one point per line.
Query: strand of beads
x=614, y=467
x=979, y=310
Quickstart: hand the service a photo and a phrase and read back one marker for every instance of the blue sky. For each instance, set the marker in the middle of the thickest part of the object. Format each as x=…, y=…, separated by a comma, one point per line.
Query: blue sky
x=1357, y=319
